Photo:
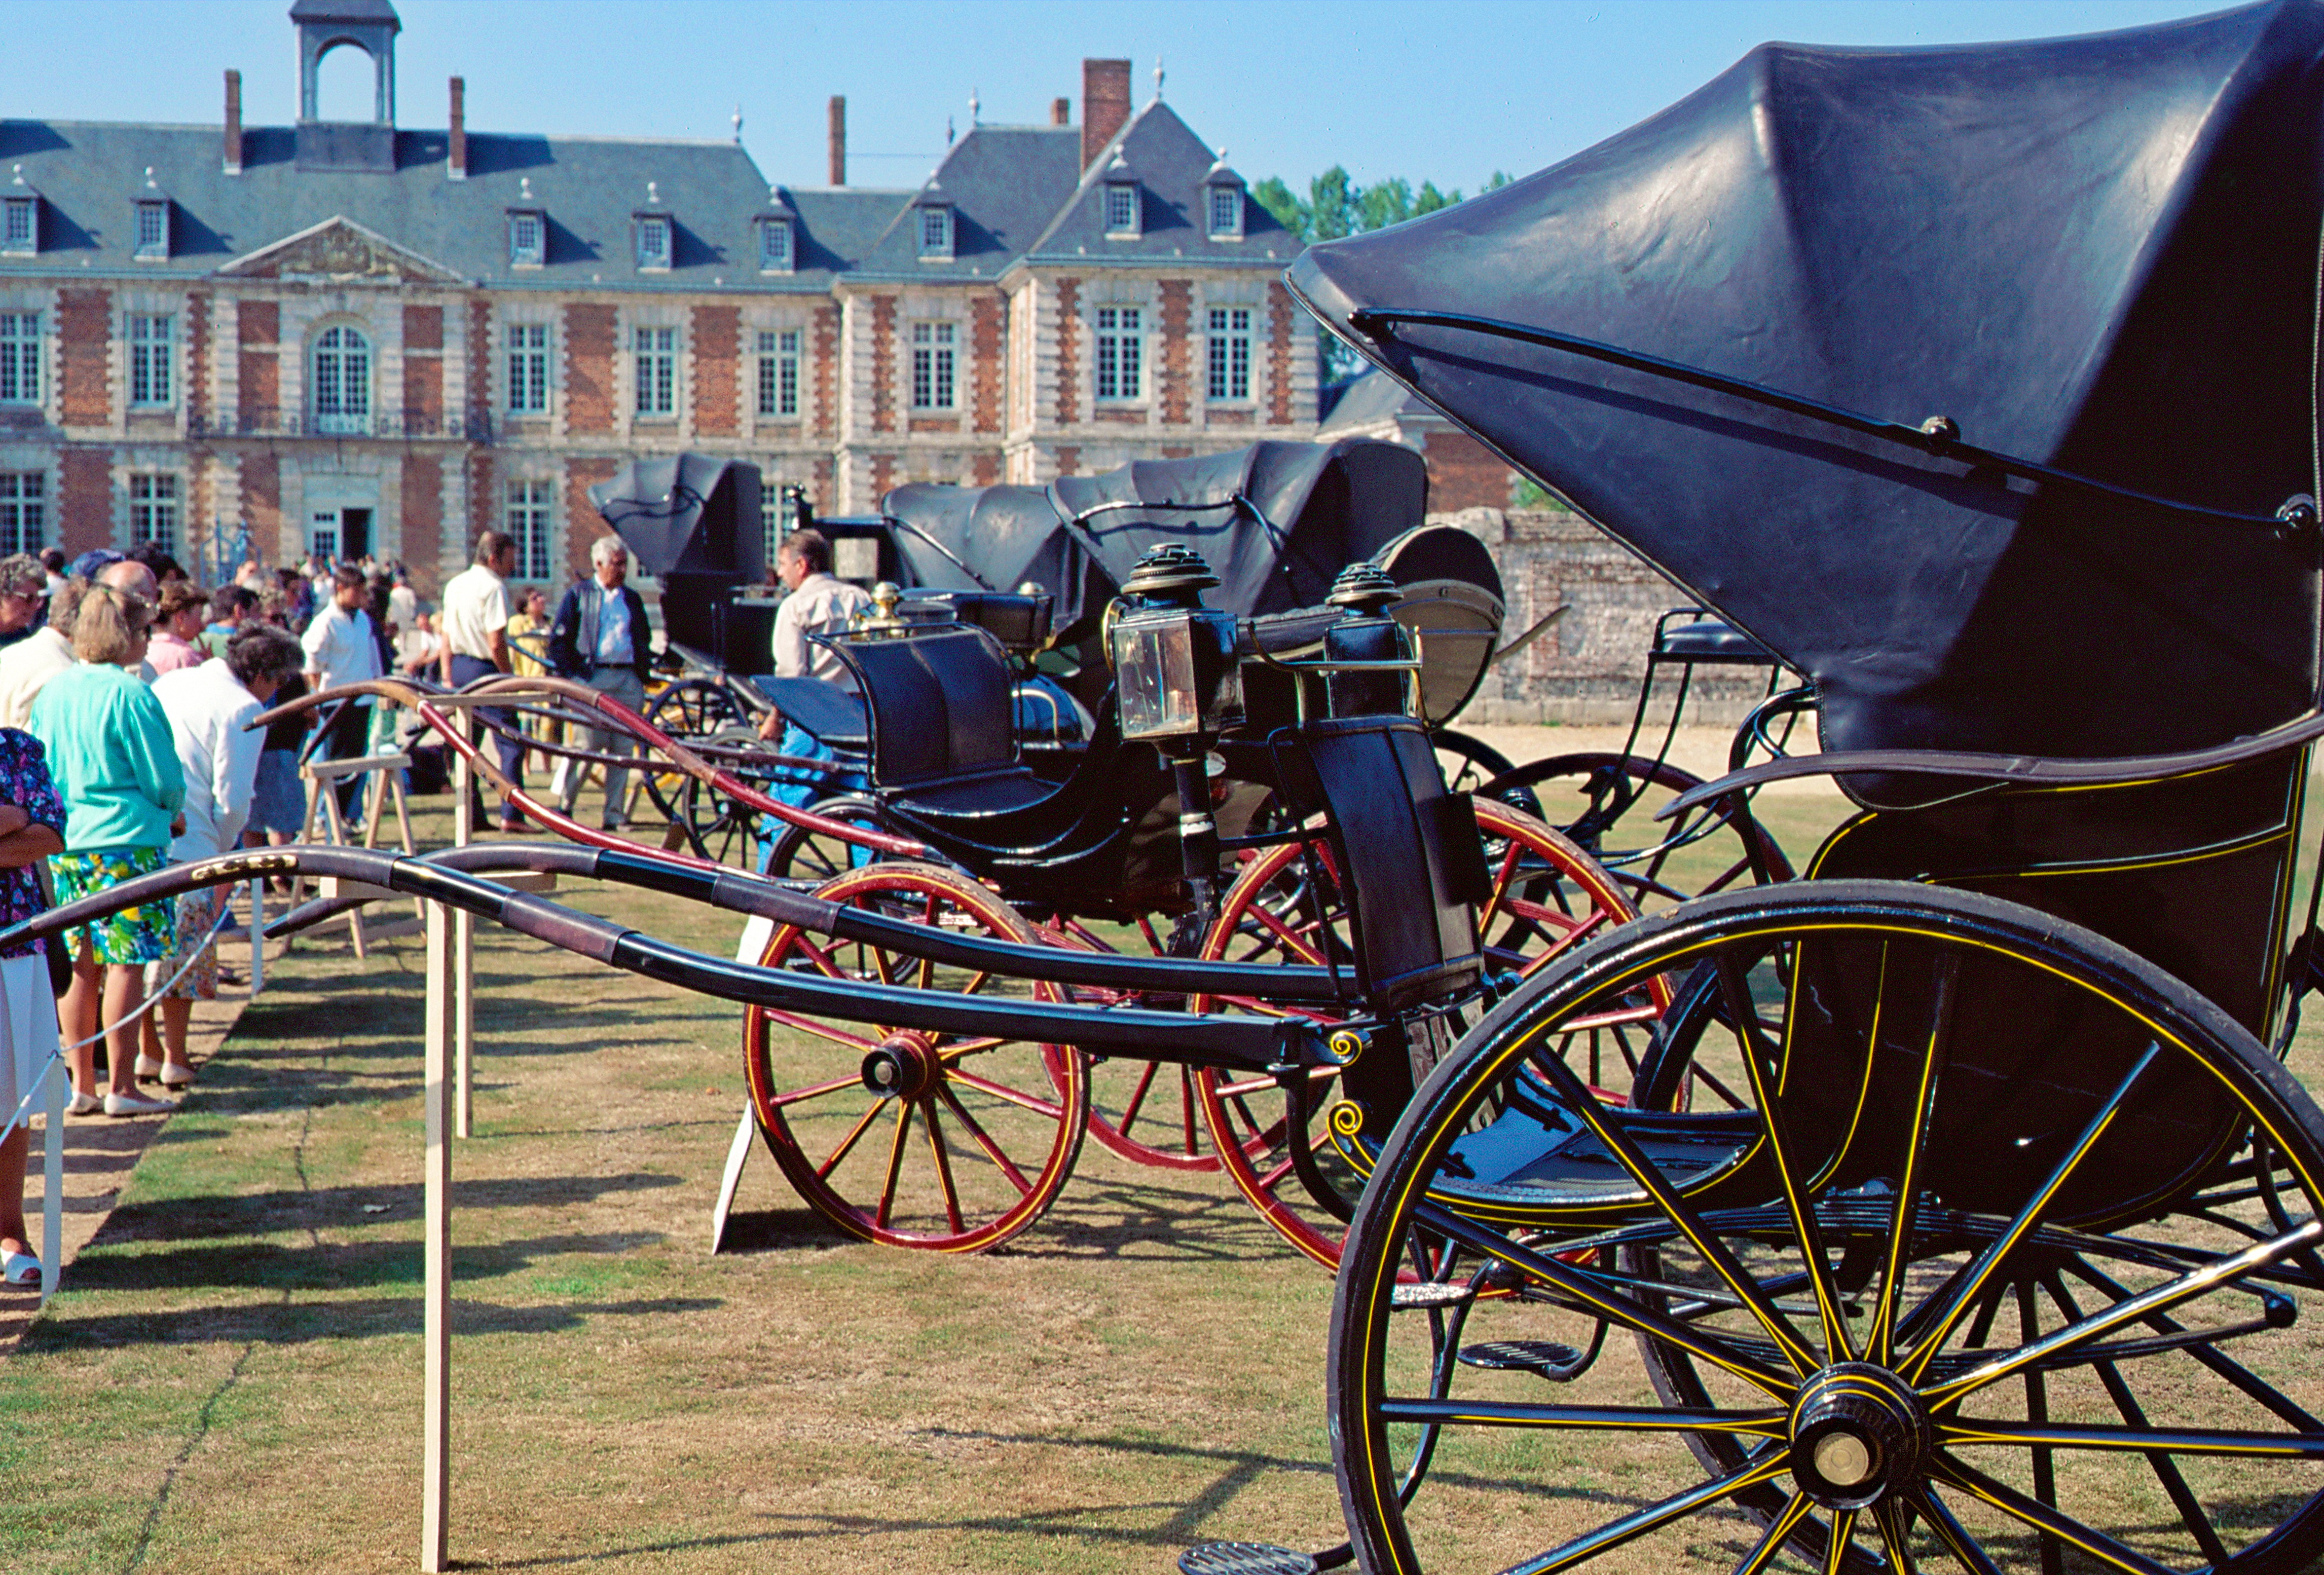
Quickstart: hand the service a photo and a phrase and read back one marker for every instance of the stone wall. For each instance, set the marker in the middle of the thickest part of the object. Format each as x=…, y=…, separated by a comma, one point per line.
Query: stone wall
x=1586, y=666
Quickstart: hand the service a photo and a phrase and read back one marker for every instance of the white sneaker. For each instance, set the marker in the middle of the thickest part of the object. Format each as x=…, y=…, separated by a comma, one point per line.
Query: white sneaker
x=136, y=1104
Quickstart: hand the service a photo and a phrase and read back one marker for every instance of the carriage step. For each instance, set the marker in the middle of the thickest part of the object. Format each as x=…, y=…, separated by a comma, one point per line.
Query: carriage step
x=1245, y=1558
x=1411, y=1295
x=1558, y=1363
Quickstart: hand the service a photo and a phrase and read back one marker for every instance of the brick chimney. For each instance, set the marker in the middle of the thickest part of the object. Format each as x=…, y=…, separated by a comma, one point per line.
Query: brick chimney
x=234, y=123
x=838, y=139
x=456, y=144
x=1061, y=112
x=1105, y=105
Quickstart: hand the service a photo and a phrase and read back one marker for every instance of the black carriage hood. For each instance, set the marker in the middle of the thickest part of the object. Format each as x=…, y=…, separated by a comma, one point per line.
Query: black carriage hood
x=1326, y=505
x=2094, y=253
x=678, y=514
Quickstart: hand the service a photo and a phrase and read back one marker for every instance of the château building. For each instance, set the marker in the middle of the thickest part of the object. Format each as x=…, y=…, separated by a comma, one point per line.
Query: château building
x=356, y=337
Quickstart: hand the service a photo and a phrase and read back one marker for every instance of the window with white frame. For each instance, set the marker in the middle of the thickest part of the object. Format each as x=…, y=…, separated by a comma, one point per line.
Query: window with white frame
x=528, y=368
x=653, y=242
x=529, y=505
x=1226, y=212
x=775, y=245
x=1120, y=353
x=20, y=229
x=23, y=511
x=342, y=381
x=1230, y=352
x=936, y=232
x=1122, y=209
x=154, y=510
x=656, y=358
x=153, y=231
x=934, y=346
x=528, y=240
x=150, y=367
x=779, y=372
x=20, y=358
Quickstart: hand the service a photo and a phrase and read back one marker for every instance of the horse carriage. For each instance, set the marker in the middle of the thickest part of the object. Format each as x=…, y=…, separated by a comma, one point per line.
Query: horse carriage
x=1970, y=384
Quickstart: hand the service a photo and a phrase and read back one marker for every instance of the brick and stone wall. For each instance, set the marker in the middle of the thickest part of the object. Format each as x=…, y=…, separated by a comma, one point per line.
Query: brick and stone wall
x=1587, y=666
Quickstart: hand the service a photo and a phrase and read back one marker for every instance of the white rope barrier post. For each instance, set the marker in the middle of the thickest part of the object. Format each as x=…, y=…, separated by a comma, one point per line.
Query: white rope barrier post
x=257, y=937
x=55, y=1080
x=436, y=1324
x=464, y=956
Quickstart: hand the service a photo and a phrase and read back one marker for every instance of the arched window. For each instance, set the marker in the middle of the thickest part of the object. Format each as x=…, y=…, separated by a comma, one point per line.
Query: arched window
x=342, y=383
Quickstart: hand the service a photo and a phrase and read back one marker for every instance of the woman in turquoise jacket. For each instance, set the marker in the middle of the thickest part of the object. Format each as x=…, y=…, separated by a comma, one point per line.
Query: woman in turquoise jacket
x=110, y=751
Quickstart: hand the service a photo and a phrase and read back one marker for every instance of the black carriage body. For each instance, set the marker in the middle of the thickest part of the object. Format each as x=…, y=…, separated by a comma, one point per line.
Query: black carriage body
x=2096, y=253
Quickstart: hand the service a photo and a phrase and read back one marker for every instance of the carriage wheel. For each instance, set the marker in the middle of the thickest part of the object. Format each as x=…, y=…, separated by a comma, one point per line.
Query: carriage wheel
x=1547, y=897
x=721, y=829
x=803, y=853
x=953, y=1142
x=1607, y=803
x=1468, y=763
x=1987, y=1273
x=691, y=709
x=1148, y=1113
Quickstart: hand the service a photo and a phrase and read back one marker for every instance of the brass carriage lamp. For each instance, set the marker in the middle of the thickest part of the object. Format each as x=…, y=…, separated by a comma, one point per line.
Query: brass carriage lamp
x=1177, y=681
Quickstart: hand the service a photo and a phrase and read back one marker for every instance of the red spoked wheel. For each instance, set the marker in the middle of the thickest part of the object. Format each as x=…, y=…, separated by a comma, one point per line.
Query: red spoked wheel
x=905, y=1137
x=1546, y=897
x=1148, y=1113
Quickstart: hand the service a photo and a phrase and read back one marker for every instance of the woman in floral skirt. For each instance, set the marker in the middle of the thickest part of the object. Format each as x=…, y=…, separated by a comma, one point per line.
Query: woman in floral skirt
x=32, y=827
x=116, y=766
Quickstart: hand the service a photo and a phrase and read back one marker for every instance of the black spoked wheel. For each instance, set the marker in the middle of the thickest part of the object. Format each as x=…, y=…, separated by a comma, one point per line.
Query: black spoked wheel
x=1468, y=763
x=1607, y=803
x=691, y=711
x=720, y=827
x=1996, y=1262
x=803, y=853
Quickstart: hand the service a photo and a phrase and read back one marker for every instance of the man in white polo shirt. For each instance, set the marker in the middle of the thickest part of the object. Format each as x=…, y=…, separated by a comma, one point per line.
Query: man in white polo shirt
x=342, y=649
x=475, y=627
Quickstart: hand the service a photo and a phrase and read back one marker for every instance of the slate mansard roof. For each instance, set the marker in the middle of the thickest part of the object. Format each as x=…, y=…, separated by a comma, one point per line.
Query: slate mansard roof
x=1018, y=194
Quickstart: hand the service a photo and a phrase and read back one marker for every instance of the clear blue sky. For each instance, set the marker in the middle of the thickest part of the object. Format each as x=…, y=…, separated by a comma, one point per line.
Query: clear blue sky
x=1444, y=90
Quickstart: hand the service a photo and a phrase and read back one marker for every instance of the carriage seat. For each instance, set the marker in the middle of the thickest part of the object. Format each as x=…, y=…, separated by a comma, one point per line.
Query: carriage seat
x=1020, y=622
x=941, y=719
x=1710, y=639
x=825, y=710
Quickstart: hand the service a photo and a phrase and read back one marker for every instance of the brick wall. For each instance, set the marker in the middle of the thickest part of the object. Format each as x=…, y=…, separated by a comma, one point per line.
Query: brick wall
x=984, y=469
x=197, y=359
x=423, y=329
x=1279, y=354
x=1177, y=381
x=1586, y=667
x=716, y=340
x=262, y=505
x=480, y=357
x=1463, y=474
x=84, y=332
x=589, y=335
x=257, y=329
x=84, y=513
x=1069, y=353
x=825, y=338
x=582, y=525
x=423, y=522
x=988, y=368
x=884, y=476
x=883, y=365
x=1069, y=460
x=483, y=511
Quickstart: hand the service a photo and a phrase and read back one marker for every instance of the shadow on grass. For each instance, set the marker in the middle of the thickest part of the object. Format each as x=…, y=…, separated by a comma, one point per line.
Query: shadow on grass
x=264, y=1213
x=334, y=1265
x=302, y=1323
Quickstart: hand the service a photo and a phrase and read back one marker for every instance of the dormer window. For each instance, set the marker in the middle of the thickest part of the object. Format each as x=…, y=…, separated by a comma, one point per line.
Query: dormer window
x=1226, y=213
x=528, y=237
x=1120, y=208
x=653, y=242
x=774, y=245
x=153, y=231
x=1222, y=199
x=936, y=232
x=19, y=219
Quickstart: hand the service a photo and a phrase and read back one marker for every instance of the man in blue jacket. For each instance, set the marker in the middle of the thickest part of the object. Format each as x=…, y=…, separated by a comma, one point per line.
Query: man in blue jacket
x=600, y=637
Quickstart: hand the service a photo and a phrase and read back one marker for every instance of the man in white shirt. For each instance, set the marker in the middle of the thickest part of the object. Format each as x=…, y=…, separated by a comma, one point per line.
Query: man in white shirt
x=600, y=637
x=475, y=627
x=342, y=649
x=27, y=665
x=817, y=603
x=209, y=706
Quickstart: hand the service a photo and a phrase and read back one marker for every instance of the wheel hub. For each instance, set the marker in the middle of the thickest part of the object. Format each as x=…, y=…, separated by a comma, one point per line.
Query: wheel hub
x=904, y=1066
x=1859, y=1433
